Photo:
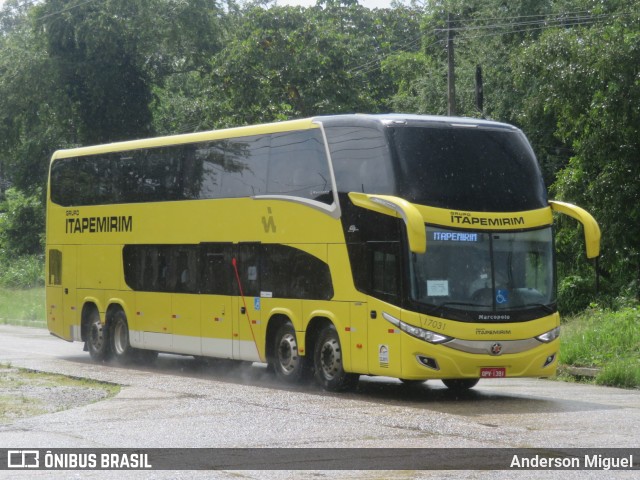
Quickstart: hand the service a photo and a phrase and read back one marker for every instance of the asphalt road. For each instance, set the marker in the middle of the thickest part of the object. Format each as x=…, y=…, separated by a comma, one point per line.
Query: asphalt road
x=180, y=403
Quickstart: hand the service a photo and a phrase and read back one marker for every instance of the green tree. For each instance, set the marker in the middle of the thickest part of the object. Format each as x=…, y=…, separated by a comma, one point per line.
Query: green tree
x=93, y=49
x=486, y=33
x=108, y=56
x=21, y=224
x=287, y=62
x=32, y=122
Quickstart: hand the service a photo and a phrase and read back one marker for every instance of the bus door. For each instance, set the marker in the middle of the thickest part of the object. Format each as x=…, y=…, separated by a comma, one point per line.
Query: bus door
x=384, y=337
x=247, y=326
x=384, y=340
x=358, y=335
x=217, y=300
x=55, y=307
x=69, y=300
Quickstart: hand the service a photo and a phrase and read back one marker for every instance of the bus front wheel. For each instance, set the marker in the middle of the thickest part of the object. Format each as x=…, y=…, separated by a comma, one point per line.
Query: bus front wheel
x=327, y=358
x=97, y=338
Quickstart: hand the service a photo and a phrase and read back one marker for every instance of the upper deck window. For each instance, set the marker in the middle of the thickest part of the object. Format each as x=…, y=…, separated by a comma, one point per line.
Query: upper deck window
x=361, y=160
x=288, y=163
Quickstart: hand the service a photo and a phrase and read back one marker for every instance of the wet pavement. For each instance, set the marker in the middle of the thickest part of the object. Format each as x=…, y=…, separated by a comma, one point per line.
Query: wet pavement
x=182, y=403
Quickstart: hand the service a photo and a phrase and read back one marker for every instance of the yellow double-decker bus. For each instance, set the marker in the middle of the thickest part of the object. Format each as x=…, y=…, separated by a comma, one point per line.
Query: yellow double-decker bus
x=415, y=247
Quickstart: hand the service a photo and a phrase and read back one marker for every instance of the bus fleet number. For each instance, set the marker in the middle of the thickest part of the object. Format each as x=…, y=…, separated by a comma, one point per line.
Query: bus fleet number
x=435, y=324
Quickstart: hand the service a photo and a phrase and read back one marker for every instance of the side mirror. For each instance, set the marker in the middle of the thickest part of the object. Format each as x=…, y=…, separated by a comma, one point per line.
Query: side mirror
x=397, y=207
x=591, y=228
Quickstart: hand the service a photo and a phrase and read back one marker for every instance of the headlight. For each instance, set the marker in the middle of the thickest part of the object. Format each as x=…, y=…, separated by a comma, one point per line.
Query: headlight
x=421, y=333
x=549, y=336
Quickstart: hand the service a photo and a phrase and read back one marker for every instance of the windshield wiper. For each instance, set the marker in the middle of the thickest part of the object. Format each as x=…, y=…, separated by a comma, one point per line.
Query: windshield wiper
x=462, y=304
x=544, y=307
x=439, y=308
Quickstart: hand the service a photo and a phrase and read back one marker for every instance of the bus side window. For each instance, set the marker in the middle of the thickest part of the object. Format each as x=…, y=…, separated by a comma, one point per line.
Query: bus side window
x=298, y=166
x=361, y=160
x=129, y=178
x=185, y=280
x=385, y=269
x=244, y=169
x=248, y=270
x=288, y=272
x=55, y=267
x=160, y=268
x=217, y=273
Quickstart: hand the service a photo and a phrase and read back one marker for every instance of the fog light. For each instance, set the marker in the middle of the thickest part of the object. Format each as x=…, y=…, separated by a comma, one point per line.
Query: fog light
x=428, y=362
x=549, y=360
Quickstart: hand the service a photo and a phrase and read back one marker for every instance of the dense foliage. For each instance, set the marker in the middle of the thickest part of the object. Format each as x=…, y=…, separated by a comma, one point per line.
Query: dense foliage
x=77, y=72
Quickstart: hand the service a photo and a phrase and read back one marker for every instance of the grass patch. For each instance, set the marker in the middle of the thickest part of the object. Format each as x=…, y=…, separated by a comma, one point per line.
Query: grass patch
x=26, y=393
x=621, y=373
x=23, y=307
x=608, y=340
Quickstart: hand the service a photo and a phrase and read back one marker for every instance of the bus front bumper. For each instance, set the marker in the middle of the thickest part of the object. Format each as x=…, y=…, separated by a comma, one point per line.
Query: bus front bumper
x=479, y=359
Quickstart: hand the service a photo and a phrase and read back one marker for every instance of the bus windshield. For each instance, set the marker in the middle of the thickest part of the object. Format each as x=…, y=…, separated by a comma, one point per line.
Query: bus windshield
x=472, y=169
x=485, y=271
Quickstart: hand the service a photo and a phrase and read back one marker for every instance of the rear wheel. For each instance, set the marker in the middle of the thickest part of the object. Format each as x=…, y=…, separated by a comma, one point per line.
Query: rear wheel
x=327, y=357
x=460, y=384
x=120, y=345
x=97, y=339
x=287, y=363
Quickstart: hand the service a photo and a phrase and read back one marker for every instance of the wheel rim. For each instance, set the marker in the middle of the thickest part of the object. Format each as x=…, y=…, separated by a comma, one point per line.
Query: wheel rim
x=330, y=359
x=96, y=335
x=120, y=338
x=288, y=353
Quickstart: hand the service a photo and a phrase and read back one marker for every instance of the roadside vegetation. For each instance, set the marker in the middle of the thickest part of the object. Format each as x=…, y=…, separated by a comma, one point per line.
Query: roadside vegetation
x=24, y=272
x=23, y=307
x=21, y=259
x=606, y=340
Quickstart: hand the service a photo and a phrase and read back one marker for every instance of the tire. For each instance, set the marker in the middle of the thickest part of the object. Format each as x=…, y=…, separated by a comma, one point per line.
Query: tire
x=327, y=358
x=97, y=340
x=288, y=365
x=460, y=384
x=120, y=346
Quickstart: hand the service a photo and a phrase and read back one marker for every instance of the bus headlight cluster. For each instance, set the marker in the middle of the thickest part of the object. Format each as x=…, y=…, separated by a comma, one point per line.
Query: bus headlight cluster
x=420, y=333
x=549, y=336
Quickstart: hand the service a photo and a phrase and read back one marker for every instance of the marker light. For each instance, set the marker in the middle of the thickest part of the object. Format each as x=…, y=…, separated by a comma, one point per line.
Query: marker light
x=420, y=333
x=549, y=336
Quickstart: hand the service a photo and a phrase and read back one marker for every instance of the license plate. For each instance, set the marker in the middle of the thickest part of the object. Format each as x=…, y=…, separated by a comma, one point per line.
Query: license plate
x=493, y=372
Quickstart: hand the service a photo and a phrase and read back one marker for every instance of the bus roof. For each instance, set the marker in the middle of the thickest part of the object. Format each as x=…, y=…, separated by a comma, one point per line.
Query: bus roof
x=185, y=138
x=400, y=118
x=373, y=120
